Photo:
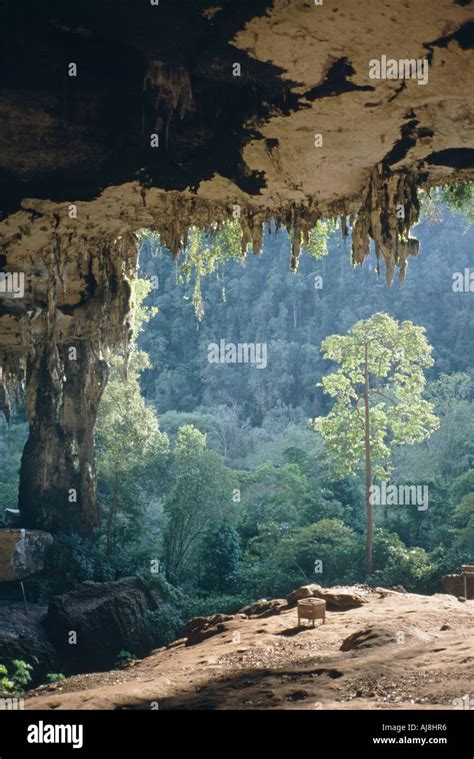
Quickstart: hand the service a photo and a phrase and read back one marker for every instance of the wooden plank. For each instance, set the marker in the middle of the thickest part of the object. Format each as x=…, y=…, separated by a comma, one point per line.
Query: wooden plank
x=8, y=540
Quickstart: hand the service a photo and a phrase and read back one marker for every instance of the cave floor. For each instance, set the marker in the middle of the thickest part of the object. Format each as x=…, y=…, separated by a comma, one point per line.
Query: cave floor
x=275, y=665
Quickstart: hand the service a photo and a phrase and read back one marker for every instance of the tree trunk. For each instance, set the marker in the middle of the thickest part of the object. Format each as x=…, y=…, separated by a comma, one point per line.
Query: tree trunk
x=57, y=475
x=112, y=514
x=368, y=472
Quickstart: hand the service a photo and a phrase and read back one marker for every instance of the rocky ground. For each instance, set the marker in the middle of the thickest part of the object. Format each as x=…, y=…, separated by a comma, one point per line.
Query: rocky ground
x=405, y=651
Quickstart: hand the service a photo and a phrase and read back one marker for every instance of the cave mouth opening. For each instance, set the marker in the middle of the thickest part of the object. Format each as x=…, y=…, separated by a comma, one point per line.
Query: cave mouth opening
x=108, y=268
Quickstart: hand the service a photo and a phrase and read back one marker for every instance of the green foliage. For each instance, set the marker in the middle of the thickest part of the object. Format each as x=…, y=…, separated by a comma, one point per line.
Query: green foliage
x=397, y=356
x=463, y=485
x=166, y=623
x=167, y=620
x=72, y=559
x=219, y=557
x=410, y=567
x=205, y=252
x=123, y=657
x=459, y=197
x=12, y=440
x=55, y=677
x=203, y=605
x=317, y=245
x=463, y=531
x=235, y=427
x=327, y=552
x=130, y=447
x=5, y=683
x=200, y=495
x=15, y=678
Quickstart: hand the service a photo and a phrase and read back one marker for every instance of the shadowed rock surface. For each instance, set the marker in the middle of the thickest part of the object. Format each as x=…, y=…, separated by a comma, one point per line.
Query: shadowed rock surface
x=22, y=636
x=201, y=628
x=264, y=608
x=106, y=617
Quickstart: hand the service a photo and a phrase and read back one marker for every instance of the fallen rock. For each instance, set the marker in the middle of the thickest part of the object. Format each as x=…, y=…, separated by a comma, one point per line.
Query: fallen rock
x=176, y=643
x=200, y=628
x=369, y=637
x=264, y=608
x=336, y=598
x=107, y=618
x=22, y=553
x=22, y=637
x=395, y=590
x=384, y=635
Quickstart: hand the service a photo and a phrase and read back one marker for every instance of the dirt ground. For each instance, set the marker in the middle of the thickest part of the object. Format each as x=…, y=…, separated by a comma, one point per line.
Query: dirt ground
x=417, y=652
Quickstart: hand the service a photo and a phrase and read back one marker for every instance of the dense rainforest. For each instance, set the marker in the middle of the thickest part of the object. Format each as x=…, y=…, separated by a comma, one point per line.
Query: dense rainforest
x=213, y=485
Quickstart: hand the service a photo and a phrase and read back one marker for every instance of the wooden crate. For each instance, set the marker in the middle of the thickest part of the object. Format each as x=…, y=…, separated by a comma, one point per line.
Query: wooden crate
x=467, y=570
x=311, y=608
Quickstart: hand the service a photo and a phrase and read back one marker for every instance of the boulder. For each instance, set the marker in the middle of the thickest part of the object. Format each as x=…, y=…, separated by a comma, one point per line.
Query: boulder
x=383, y=592
x=370, y=637
x=201, y=628
x=336, y=598
x=107, y=618
x=22, y=637
x=384, y=635
x=22, y=553
x=264, y=608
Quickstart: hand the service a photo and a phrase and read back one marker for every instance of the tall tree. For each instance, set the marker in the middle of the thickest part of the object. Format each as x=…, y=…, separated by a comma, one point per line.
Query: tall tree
x=132, y=452
x=199, y=497
x=378, y=391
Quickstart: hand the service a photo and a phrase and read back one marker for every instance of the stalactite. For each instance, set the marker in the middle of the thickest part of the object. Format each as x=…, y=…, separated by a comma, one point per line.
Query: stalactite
x=167, y=90
x=5, y=404
x=388, y=209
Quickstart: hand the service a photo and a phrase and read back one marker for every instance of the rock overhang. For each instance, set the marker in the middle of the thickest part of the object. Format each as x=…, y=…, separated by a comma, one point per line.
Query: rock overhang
x=268, y=107
x=264, y=110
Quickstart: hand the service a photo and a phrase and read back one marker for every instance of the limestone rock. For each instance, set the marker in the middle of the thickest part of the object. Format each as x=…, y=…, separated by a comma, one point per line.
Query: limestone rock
x=201, y=628
x=383, y=634
x=22, y=553
x=106, y=617
x=336, y=598
x=22, y=637
x=264, y=608
x=370, y=637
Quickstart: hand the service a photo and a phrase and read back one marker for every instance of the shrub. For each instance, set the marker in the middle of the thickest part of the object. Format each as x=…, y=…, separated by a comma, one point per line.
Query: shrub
x=14, y=682
x=55, y=677
x=400, y=565
x=123, y=657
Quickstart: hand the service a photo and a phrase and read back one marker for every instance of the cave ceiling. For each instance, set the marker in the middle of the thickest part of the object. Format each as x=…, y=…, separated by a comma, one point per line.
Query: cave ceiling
x=236, y=93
